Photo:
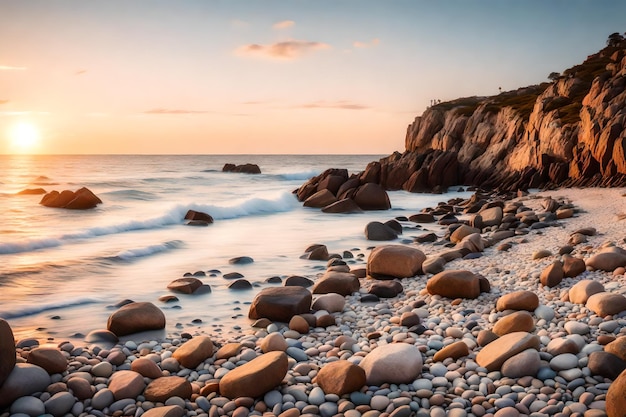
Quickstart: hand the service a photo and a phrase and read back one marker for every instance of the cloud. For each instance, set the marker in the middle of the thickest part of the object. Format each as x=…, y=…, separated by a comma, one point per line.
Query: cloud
x=10, y=68
x=284, y=24
x=174, y=111
x=370, y=44
x=4, y=101
x=80, y=72
x=340, y=104
x=281, y=50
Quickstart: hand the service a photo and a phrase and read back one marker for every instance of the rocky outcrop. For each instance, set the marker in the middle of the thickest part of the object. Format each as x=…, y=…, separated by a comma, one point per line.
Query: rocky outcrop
x=568, y=132
x=244, y=168
x=81, y=199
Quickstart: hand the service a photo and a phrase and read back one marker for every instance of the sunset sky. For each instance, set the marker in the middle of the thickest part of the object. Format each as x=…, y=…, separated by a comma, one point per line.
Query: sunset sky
x=263, y=76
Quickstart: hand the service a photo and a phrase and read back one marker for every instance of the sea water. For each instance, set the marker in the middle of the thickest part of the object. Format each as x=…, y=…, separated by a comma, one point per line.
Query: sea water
x=62, y=271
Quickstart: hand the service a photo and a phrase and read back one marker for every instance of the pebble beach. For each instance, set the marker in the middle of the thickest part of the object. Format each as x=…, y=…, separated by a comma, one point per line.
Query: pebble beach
x=423, y=354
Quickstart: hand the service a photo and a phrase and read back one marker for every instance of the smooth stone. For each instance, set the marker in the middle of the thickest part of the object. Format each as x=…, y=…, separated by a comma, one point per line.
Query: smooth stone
x=31, y=406
x=60, y=404
x=24, y=379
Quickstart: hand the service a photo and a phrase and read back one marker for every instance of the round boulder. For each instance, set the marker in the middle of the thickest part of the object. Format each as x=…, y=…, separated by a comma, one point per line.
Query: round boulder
x=340, y=377
x=397, y=363
x=256, y=377
x=518, y=300
x=372, y=196
x=395, y=261
x=454, y=284
x=136, y=317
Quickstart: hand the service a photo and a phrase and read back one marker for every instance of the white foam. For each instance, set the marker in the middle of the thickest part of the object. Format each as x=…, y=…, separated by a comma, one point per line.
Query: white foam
x=282, y=202
x=40, y=308
x=130, y=254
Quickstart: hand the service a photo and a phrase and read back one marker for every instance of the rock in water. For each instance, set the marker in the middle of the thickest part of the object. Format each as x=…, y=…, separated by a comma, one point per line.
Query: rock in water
x=7, y=351
x=136, y=317
x=379, y=231
x=280, y=303
x=186, y=285
x=256, y=377
x=82, y=199
x=395, y=261
x=397, y=363
x=244, y=168
x=372, y=196
x=198, y=217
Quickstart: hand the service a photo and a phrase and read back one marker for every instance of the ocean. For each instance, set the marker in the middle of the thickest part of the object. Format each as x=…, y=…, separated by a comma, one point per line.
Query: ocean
x=62, y=271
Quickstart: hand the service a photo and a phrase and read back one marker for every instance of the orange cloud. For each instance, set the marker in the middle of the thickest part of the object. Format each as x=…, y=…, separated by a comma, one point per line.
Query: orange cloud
x=281, y=50
x=10, y=68
x=80, y=72
x=284, y=24
x=341, y=104
x=370, y=44
x=174, y=111
x=4, y=101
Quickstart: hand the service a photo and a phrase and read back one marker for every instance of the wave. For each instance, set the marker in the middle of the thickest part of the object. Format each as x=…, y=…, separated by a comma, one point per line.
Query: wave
x=132, y=194
x=175, y=215
x=300, y=175
x=131, y=254
x=29, y=311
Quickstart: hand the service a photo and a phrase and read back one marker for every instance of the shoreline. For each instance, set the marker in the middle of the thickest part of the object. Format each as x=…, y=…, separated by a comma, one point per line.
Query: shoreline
x=444, y=321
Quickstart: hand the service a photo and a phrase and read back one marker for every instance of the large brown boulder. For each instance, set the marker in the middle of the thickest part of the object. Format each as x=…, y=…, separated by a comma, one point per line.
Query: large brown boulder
x=386, y=289
x=608, y=259
x=518, y=300
x=616, y=397
x=519, y=321
x=7, y=351
x=461, y=232
x=244, y=168
x=187, y=285
x=136, y=317
x=343, y=283
x=320, y=199
x=316, y=252
x=256, y=377
x=193, y=352
x=572, y=267
x=379, y=231
x=346, y=205
x=454, y=350
x=340, y=377
x=606, y=303
x=165, y=411
x=198, y=217
x=372, y=196
x=454, y=284
x=617, y=348
x=50, y=359
x=395, y=261
x=126, y=384
x=161, y=389
x=497, y=352
x=552, y=275
x=81, y=199
x=280, y=303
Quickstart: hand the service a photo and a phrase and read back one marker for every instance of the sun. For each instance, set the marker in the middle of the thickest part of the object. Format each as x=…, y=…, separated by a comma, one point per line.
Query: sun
x=24, y=136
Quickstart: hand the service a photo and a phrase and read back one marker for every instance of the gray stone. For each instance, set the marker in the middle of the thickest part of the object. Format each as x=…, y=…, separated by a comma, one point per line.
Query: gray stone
x=28, y=405
x=24, y=379
x=102, y=399
x=60, y=404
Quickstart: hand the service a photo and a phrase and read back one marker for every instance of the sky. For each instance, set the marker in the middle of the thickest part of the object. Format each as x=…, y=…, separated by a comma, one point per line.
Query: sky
x=268, y=76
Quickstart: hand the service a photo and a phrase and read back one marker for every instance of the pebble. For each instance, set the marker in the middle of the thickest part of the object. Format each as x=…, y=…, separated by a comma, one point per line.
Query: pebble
x=563, y=385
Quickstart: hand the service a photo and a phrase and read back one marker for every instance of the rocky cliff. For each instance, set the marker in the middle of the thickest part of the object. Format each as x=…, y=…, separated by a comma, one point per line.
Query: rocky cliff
x=568, y=132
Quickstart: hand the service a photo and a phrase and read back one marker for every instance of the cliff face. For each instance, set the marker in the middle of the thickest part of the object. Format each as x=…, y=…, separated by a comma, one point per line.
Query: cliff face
x=569, y=132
